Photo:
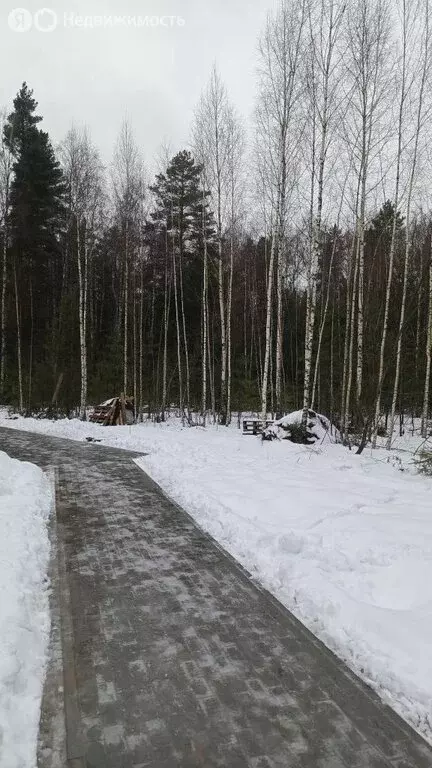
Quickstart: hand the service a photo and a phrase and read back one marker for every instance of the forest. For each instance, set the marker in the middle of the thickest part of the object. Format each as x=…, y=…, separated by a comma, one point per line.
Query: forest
x=278, y=261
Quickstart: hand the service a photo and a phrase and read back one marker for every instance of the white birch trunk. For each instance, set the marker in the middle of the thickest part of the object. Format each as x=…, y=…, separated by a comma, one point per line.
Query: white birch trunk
x=82, y=300
x=3, y=311
x=6, y=170
x=408, y=225
x=134, y=336
x=349, y=375
x=141, y=340
x=223, y=331
x=211, y=366
x=322, y=325
x=279, y=332
x=204, y=319
x=177, y=317
x=393, y=241
x=167, y=298
x=185, y=340
x=269, y=310
x=360, y=297
x=425, y=412
x=19, y=357
x=228, y=329
x=126, y=312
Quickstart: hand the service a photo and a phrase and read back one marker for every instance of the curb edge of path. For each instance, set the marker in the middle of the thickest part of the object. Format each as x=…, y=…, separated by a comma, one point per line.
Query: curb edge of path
x=75, y=748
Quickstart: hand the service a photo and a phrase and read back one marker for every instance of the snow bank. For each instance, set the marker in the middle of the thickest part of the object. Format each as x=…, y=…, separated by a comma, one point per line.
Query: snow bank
x=25, y=503
x=344, y=541
x=319, y=428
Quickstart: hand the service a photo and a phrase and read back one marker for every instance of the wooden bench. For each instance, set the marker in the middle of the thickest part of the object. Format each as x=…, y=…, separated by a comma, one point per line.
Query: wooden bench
x=255, y=426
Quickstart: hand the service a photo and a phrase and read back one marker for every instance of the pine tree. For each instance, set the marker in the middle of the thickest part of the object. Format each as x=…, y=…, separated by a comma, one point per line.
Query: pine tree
x=179, y=202
x=180, y=209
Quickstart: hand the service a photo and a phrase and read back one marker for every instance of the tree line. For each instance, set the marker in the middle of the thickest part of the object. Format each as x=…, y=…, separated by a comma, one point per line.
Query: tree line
x=276, y=263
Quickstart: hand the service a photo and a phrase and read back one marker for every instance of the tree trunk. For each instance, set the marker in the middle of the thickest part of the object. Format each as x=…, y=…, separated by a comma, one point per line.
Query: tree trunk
x=30, y=376
x=204, y=321
x=269, y=310
x=425, y=413
x=167, y=301
x=19, y=358
x=135, y=345
x=185, y=340
x=393, y=240
x=408, y=224
x=126, y=312
x=279, y=333
x=360, y=297
x=323, y=322
x=315, y=227
x=228, y=330
x=141, y=340
x=82, y=300
x=210, y=355
x=3, y=310
x=223, y=333
x=347, y=403
x=176, y=305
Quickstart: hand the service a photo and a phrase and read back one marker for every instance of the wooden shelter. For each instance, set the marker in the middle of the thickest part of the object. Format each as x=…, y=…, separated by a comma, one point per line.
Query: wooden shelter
x=114, y=412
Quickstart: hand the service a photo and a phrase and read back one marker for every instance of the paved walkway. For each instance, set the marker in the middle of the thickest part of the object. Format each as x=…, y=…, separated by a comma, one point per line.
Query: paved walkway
x=173, y=656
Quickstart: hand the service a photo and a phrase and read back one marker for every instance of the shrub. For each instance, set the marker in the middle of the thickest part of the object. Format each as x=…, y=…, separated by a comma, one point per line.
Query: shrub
x=424, y=462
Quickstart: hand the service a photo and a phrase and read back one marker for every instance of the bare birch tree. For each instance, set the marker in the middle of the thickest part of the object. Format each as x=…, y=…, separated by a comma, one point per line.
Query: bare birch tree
x=236, y=145
x=416, y=36
x=367, y=67
x=211, y=141
x=204, y=310
x=83, y=172
x=5, y=182
x=325, y=21
x=280, y=48
x=128, y=188
x=426, y=392
x=403, y=88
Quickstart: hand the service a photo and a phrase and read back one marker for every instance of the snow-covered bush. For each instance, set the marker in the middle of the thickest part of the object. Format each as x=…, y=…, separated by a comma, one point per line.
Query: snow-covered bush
x=424, y=462
x=291, y=427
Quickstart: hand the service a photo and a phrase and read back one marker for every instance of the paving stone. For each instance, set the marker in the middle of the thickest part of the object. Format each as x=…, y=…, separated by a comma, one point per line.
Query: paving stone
x=180, y=660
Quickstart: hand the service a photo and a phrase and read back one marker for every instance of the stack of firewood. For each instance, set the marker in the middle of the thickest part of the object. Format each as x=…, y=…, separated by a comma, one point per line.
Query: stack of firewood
x=114, y=412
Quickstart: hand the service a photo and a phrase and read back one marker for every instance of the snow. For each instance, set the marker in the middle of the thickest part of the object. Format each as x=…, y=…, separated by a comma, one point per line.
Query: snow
x=344, y=541
x=25, y=504
x=319, y=426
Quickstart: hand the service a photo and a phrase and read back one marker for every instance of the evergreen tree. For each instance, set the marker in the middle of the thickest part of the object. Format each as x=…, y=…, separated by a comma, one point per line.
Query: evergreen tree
x=181, y=223
x=180, y=203
x=35, y=223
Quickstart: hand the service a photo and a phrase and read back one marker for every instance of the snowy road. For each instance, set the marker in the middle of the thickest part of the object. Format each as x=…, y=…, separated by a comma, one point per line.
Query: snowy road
x=179, y=658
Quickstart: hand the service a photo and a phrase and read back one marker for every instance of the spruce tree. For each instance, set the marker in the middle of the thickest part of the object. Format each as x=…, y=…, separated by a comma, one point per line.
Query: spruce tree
x=35, y=223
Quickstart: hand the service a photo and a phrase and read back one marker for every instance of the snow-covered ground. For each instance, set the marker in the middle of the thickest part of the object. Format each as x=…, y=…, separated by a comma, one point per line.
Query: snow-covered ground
x=25, y=504
x=344, y=541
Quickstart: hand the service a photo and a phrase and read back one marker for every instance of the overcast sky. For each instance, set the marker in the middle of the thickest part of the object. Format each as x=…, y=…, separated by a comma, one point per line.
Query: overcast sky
x=153, y=75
